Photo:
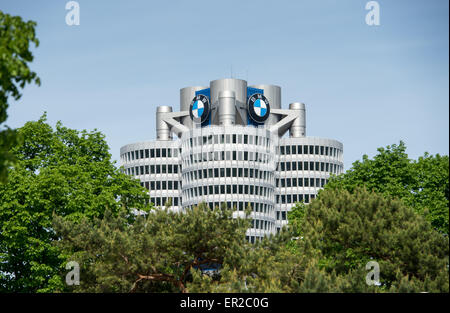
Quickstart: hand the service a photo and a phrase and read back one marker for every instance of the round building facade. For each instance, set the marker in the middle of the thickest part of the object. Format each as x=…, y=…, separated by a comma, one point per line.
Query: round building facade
x=234, y=145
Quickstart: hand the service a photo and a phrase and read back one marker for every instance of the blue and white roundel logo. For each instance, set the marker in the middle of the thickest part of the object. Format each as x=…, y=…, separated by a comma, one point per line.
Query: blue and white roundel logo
x=199, y=109
x=258, y=108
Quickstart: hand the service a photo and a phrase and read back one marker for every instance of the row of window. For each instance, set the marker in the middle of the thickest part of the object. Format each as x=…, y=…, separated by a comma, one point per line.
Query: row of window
x=227, y=189
x=235, y=172
x=257, y=207
x=227, y=156
x=162, y=201
x=309, y=166
x=229, y=139
x=161, y=185
x=241, y=189
x=300, y=182
x=236, y=189
x=289, y=199
x=150, y=153
x=253, y=239
x=153, y=169
x=284, y=150
x=241, y=206
x=261, y=224
x=310, y=149
x=192, y=176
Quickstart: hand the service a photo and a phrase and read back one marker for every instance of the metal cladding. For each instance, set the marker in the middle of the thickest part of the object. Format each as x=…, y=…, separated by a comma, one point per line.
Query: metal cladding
x=239, y=87
x=227, y=107
x=298, y=128
x=186, y=96
x=273, y=94
x=162, y=129
x=231, y=149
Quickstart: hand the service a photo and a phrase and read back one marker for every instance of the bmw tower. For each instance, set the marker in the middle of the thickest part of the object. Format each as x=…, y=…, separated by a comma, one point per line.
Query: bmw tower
x=233, y=143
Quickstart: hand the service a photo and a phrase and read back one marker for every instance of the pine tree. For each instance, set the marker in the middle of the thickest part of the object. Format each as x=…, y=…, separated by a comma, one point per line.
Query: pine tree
x=347, y=230
x=155, y=252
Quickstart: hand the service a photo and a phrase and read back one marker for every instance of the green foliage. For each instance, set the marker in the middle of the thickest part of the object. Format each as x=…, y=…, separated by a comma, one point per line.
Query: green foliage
x=266, y=266
x=15, y=39
x=346, y=230
x=430, y=192
x=295, y=217
x=64, y=172
x=422, y=184
x=66, y=201
x=154, y=253
x=163, y=251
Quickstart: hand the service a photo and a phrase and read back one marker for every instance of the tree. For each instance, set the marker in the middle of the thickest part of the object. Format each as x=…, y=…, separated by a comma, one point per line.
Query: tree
x=204, y=250
x=64, y=172
x=154, y=253
x=346, y=230
x=15, y=55
x=422, y=184
x=268, y=266
x=295, y=217
x=199, y=250
x=430, y=192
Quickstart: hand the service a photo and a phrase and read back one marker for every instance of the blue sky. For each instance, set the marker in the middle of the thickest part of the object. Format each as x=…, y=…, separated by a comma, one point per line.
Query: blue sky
x=366, y=86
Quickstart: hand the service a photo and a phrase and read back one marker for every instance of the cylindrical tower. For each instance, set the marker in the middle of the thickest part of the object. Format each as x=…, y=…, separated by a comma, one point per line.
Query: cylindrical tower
x=234, y=165
x=227, y=107
x=298, y=128
x=239, y=87
x=162, y=129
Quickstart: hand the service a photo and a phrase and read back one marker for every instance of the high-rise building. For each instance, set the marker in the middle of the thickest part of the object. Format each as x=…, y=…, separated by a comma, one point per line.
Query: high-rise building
x=231, y=148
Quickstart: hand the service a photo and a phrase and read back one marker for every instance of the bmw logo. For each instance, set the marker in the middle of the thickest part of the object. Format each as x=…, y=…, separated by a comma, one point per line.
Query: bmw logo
x=258, y=108
x=199, y=109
